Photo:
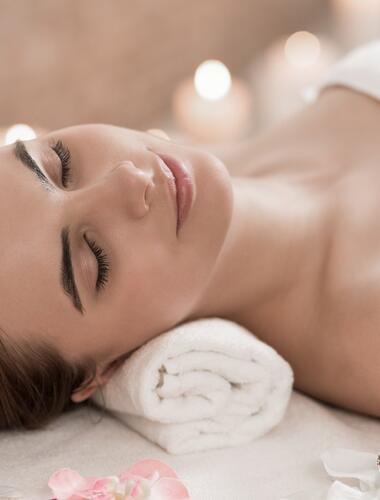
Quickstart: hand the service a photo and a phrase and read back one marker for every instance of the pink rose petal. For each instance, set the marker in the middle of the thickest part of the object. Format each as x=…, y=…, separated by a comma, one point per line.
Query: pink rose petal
x=96, y=482
x=100, y=483
x=65, y=482
x=98, y=488
x=171, y=489
x=145, y=468
x=93, y=494
x=131, y=477
x=136, y=488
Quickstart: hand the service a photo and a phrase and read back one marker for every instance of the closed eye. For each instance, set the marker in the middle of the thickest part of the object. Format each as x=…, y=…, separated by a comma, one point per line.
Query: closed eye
x=64, y=155
x=103, y=263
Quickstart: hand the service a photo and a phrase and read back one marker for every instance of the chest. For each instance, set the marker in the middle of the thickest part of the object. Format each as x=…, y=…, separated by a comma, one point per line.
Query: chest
x=331, y=154
x=327, y=327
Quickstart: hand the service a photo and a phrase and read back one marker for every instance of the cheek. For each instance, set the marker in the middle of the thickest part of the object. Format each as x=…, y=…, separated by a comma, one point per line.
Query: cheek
x=153, y=292
x=164, y=290
x=162, y=281
x=211, y=214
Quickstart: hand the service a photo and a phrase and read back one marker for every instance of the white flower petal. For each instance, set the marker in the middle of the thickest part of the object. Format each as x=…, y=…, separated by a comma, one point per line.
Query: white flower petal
x=343, y=462
x=340, y=491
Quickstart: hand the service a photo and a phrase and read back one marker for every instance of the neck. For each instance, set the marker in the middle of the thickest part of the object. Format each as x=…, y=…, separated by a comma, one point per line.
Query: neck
x=272, y=232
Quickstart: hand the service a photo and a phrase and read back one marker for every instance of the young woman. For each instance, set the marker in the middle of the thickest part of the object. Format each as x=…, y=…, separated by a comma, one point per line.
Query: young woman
x=283, y=237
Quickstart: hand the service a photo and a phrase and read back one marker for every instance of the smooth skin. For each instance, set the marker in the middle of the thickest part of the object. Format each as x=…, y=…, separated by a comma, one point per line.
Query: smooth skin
x=317, y=277
x=283, y=238
x=118, y=197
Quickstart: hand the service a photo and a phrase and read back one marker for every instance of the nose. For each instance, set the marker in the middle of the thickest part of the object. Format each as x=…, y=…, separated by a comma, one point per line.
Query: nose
x=123, y=188
x=131, y=184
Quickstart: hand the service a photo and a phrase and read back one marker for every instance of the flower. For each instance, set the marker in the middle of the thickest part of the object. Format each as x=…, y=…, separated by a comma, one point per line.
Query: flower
x=346, y=463
x=146, y=479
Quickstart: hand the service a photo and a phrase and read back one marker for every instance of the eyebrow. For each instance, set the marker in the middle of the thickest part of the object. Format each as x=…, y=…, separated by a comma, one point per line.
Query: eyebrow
x=21, y=153
x=67, y=274
x=67, y=278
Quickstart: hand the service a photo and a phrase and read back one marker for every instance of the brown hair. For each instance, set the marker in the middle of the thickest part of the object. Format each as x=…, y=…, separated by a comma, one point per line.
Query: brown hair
x=36, y=383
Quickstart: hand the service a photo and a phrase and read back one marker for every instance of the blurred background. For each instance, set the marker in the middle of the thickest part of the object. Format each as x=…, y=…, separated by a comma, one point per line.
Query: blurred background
x=204, y=71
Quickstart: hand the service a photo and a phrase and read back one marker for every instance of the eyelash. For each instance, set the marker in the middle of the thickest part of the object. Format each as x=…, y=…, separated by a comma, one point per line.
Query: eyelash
x=103, y=264
x=64, y=155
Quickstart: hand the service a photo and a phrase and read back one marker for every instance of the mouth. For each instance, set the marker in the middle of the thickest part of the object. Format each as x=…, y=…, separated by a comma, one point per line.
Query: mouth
x=183, y=186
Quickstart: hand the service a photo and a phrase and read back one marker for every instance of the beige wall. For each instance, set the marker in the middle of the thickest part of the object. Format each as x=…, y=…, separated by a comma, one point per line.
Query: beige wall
x=117, y=61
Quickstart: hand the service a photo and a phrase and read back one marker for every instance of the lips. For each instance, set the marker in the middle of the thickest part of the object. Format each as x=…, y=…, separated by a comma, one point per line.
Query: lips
x=184, y=187
x=172, y=185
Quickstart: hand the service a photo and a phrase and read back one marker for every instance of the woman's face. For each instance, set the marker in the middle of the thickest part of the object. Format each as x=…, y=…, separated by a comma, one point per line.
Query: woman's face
x=117, y=197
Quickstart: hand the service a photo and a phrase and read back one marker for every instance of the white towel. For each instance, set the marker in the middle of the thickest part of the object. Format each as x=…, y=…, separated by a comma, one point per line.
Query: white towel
x=205, y=384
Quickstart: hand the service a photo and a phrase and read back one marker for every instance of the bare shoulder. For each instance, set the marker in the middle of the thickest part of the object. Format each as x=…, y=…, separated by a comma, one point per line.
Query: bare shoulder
x=349, y=96
x=349, y=111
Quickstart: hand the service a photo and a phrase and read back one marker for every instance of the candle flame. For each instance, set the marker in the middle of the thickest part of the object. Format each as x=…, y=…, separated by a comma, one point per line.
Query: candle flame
x=302, y=49
x=19, y=131
x=212, y=80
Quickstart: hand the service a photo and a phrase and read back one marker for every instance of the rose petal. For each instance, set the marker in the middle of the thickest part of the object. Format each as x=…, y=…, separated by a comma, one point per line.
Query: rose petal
x=127, y=476
x=342, y=462
x=145, y=468
x=170, y=488
x=99, y=489
x=91, y=495
x=100, y=483
x=65, y=482
x=144, y=485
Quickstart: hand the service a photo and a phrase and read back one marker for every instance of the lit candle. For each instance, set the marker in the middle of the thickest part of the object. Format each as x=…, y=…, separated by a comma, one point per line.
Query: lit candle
x=213, y=107
x=286, y=71
x=19, y=131
x=357, y=21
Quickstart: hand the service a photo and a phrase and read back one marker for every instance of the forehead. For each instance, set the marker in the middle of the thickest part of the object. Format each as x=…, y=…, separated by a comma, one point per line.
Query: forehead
x=104, y=134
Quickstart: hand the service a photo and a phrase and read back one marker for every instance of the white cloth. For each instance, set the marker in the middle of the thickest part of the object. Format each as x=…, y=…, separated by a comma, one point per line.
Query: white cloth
x=358, y=70
x=208, y=383
x=277, y=465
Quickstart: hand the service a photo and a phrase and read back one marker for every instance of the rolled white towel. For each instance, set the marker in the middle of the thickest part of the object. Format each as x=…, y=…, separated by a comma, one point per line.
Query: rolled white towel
x=205, y=384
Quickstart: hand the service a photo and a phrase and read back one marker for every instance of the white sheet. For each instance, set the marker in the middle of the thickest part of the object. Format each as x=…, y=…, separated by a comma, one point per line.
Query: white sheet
x=358, y=70
x=285, y=460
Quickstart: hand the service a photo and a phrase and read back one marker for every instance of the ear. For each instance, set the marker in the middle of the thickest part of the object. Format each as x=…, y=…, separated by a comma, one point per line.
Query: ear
x=82, y=394
x=84, y=391
x=158, y=133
